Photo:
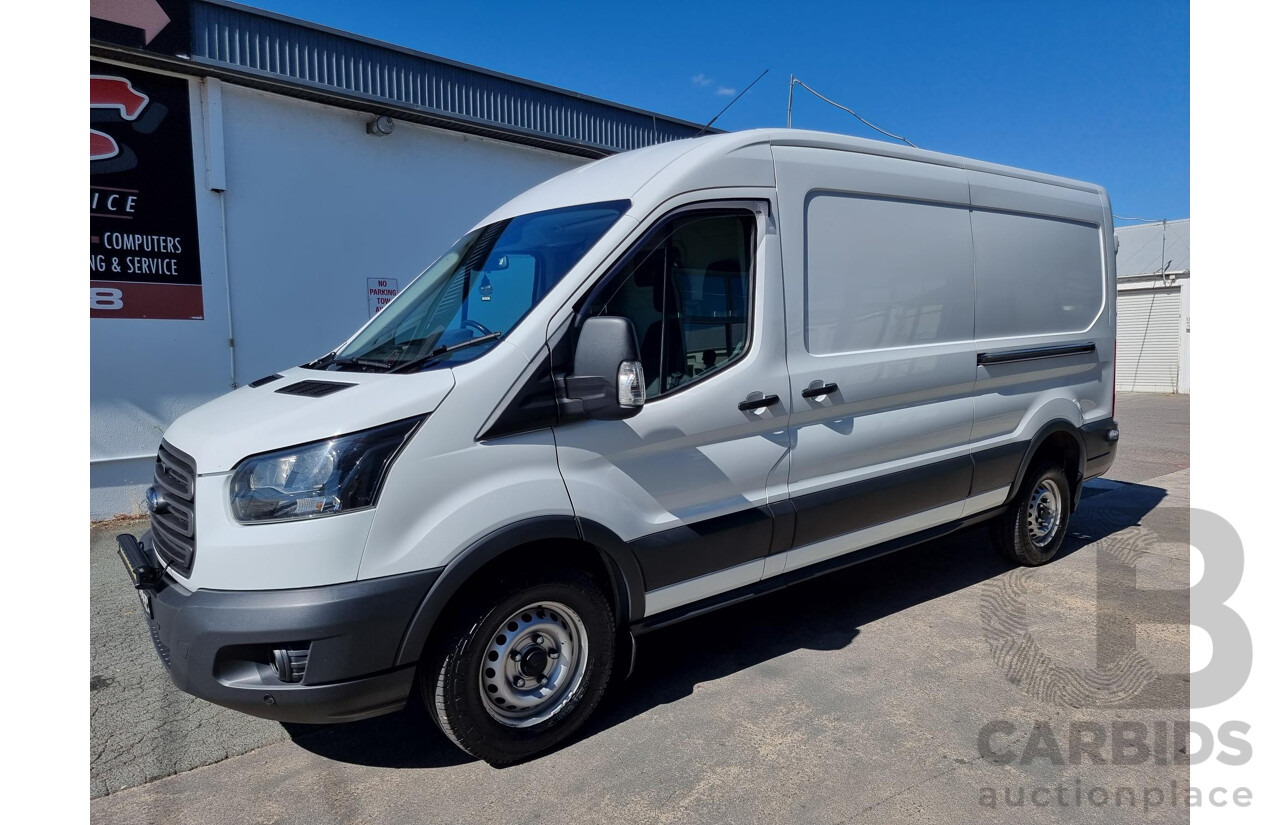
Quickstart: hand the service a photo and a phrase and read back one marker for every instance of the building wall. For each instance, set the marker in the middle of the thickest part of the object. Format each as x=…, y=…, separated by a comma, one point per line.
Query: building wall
x=1145, y=285
x=1157, y=256
x=313, y=206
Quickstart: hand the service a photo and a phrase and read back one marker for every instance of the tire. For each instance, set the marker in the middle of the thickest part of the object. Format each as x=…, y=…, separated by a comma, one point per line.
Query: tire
x=564, y=615
x=1033, y=538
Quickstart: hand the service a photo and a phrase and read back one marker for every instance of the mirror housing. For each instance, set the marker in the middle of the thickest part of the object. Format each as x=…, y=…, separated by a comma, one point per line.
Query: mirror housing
x=607, y=380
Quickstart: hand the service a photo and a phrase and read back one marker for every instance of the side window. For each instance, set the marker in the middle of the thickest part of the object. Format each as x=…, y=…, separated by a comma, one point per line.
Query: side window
x=687, y=290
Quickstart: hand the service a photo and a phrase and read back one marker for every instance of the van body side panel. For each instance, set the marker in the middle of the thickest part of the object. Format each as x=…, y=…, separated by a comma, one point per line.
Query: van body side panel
x=877, y=264
x=272, y=556
x=447, y=490
x=1045, y=304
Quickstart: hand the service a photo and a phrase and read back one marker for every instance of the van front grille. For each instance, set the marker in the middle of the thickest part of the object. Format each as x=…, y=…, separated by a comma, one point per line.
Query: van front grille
x=174, y=531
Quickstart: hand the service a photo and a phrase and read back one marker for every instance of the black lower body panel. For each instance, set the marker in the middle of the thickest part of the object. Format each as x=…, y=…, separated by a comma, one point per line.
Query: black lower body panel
x=769, y=585
x=217, y=645
x=1101, y=440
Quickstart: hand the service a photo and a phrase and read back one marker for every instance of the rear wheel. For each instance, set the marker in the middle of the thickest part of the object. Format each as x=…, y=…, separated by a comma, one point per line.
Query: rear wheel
x=520, y=674
x=1033, y=528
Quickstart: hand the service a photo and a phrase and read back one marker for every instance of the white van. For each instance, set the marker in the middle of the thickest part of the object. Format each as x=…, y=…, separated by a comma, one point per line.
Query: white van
x=654, y=385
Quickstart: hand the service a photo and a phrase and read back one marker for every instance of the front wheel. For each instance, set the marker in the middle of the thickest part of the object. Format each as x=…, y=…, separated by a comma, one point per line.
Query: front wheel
x=523, y=667
x=1032, y=530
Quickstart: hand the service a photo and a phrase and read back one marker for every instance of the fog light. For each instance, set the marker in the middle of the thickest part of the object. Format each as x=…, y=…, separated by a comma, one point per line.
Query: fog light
x=289, y=664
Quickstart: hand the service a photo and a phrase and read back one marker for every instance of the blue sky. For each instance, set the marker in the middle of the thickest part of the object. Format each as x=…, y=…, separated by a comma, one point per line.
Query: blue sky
x=1091, y=90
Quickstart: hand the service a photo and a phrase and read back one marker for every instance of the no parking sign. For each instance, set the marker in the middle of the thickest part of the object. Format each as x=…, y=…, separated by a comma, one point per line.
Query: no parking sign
x=381, y=291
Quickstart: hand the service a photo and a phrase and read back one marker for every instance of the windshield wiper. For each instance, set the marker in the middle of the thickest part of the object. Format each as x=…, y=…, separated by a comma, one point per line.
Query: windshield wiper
x=439, y=351
x=360, y=362
x=322, y=361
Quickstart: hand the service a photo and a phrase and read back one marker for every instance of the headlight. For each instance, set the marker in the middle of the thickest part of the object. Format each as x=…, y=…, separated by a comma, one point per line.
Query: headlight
x=322, y=478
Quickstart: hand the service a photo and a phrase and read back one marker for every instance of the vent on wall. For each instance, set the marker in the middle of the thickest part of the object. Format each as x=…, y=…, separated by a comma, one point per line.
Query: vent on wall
x=314, y=389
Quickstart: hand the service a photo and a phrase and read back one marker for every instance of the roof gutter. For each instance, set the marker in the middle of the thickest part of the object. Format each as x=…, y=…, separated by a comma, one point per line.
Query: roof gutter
x=300, y=59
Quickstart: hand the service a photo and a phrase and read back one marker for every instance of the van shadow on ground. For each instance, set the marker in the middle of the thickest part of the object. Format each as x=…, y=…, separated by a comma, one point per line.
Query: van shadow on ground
x=822, y=614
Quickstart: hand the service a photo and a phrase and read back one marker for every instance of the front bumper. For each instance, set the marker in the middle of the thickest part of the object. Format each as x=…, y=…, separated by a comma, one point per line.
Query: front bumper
x=216, y=644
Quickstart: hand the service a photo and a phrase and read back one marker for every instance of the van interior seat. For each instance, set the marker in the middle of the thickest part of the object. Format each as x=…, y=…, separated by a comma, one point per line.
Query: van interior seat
x=661, y=336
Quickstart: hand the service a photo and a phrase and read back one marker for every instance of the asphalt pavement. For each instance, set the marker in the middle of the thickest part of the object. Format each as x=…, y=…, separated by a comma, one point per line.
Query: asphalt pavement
x=863, y=695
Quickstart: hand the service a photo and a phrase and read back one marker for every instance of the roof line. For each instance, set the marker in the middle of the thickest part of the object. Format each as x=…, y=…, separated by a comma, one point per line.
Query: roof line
x=457, y=64
x=1153, y=223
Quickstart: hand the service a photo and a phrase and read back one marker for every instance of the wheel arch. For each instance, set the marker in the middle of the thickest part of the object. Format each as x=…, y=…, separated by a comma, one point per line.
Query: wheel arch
x=615, y=561
x=1061, y=439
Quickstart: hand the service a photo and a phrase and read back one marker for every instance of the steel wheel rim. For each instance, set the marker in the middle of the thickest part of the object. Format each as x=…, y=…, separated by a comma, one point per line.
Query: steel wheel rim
x=1044, y=512
x=533, y=664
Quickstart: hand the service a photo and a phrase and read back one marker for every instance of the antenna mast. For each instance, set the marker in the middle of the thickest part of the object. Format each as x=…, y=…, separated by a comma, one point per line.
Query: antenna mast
x=731, y=102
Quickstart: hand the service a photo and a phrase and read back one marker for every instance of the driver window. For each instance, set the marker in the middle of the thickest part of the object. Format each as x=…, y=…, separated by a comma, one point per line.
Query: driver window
x=687, y=291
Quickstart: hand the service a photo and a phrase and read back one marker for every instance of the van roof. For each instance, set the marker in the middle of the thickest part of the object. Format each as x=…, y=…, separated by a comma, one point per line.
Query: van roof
x=713, y=160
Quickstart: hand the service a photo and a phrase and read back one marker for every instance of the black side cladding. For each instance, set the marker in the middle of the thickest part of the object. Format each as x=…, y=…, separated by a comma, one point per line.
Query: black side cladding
x=997, y=467
x=703, y=547
x=849, y=507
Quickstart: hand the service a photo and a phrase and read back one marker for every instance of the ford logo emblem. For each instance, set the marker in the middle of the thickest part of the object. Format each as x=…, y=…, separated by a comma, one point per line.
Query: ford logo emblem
x=155, y=502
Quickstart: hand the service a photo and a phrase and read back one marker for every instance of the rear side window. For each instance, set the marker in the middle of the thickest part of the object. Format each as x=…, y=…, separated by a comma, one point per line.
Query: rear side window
x=1035, y=275
x=687, y=291
x=885, y=273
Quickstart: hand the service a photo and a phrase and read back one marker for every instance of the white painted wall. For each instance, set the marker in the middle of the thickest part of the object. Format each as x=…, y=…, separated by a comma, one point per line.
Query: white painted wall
x=313, y=206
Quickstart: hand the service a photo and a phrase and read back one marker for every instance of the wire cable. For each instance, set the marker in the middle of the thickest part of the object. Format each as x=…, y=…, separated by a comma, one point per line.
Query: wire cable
x=795, y=80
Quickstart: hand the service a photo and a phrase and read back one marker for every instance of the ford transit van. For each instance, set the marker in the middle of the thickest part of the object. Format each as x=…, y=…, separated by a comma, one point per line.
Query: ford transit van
x=654, y=385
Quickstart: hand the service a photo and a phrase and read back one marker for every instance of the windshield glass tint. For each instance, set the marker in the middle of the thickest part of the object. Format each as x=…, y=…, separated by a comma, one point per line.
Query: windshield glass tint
x=481, y=288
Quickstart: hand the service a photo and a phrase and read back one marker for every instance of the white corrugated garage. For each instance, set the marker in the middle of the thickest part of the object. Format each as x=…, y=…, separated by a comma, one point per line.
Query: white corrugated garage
x=1153, y=268
x=1148, y=355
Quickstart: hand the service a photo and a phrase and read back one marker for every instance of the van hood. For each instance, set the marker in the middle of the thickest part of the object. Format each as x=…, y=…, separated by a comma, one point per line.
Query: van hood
x=301, y=405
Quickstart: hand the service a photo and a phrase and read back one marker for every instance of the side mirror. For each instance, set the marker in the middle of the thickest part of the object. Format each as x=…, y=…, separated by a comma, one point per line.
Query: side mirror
x=607, y=381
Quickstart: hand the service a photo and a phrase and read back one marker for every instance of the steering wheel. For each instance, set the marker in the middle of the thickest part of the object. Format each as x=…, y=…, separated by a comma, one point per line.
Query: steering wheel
x=476, y=325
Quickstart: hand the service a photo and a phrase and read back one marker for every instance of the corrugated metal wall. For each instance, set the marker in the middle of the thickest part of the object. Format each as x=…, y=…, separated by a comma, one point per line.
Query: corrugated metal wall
x=1148, y=354
x=270, y=46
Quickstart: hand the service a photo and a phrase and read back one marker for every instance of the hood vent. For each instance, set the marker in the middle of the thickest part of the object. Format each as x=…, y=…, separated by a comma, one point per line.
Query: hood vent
x=314, y=389
x=266, y=379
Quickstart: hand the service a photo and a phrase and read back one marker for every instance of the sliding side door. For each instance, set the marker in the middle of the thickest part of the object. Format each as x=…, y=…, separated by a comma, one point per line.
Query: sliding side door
x=878, y=277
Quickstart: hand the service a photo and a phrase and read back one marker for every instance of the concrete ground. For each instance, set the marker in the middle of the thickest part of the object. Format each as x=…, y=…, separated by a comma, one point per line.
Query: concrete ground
x=858, y=696
x=1155, y=436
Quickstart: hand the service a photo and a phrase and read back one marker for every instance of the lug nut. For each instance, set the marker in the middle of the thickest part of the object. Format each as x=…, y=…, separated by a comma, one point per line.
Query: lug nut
x=553, y=654
x=543, y=680
x=519, y=682
x=537, y=640
x=516, y=656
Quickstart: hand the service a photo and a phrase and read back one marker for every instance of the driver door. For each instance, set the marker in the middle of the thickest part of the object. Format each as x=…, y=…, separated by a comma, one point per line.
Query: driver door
x=688, y=480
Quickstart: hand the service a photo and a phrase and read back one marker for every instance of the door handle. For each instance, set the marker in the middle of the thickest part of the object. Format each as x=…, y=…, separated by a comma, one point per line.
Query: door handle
x=758, y=403
x=817, y=392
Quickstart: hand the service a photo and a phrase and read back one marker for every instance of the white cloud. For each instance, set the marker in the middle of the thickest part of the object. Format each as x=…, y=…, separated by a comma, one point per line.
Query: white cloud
x=701, y=79
x=725, y=91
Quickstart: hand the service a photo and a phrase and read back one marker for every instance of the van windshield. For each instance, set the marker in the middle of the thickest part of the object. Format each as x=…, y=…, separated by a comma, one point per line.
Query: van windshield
x=464, y=303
